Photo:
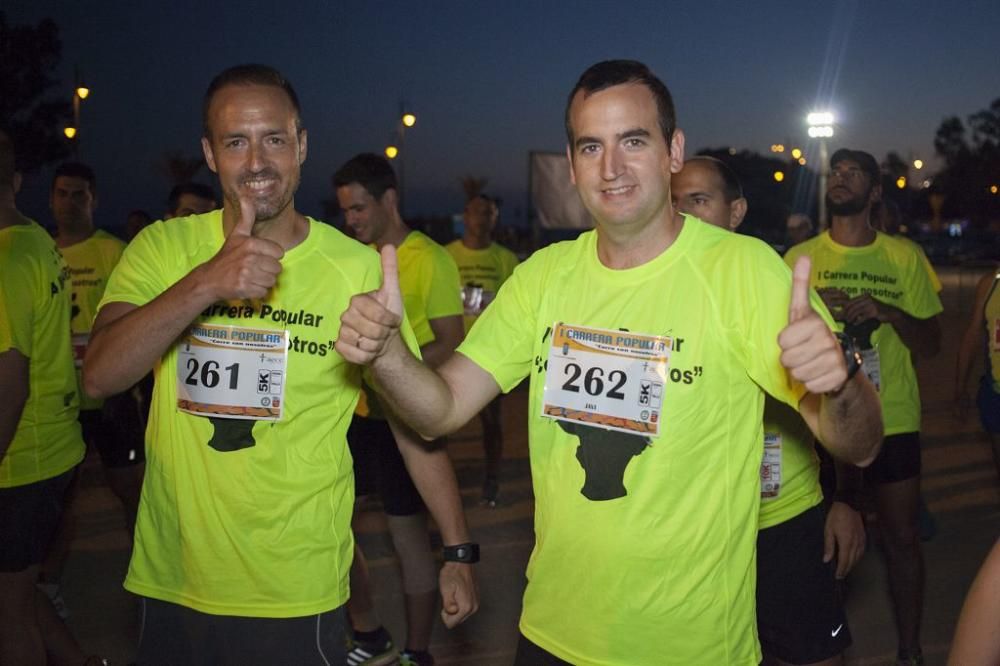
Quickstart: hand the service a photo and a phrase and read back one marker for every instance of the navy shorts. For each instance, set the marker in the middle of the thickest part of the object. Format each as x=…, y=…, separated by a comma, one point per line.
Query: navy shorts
x=988, y=402
x=898, y=460
x=378, y=467
x=29, y=517
x=800, y=614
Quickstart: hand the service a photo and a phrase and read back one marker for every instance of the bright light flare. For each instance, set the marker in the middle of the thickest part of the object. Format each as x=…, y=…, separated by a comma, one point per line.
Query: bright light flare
x=820, y=118
x=391, y=152
x=409, y=119
x=70, y=132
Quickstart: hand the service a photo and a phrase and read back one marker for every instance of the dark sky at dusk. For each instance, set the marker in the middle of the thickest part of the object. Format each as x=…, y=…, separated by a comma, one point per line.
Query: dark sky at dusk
x=488, y=80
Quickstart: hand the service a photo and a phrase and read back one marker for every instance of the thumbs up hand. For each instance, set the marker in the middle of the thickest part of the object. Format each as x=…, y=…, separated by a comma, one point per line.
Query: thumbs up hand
x=372, y=319
x=809, y=349
x=245, y=266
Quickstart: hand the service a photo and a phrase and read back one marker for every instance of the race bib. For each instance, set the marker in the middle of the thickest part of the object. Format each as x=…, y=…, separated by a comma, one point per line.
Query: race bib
x=770, y=466
x=80, y=341
x=475, y=299
x=606, y=378
x=872, y=367
x=232, y=372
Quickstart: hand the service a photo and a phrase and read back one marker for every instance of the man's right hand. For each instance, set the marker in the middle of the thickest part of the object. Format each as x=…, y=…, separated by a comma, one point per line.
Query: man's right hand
x=373, y=318
x=245, y=267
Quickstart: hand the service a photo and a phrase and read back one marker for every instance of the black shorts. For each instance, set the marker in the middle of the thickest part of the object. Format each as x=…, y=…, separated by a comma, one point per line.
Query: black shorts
x=29, y=517
x=116, y=431
x=378, y=467
x=529, y=654
x=898, y=460
x=800, y=615
x=171, y=634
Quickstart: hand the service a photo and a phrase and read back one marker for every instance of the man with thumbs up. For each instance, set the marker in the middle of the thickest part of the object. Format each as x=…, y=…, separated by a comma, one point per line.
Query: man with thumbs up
x=654, y=336
x=243, y=542
x=880, y=291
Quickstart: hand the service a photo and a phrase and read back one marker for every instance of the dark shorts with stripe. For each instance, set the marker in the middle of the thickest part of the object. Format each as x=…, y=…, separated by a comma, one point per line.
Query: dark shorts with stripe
x=800, y=614
x=171, y=634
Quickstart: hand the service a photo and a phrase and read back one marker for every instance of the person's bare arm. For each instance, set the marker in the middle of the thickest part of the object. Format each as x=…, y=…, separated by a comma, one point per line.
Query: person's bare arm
x=448, y=334
x=433, y=475
x=921, y=336
x=127, y=340
x=977, y=635
x=432, y=402
x=14, y=377
x=845, y=415
x=968, y=349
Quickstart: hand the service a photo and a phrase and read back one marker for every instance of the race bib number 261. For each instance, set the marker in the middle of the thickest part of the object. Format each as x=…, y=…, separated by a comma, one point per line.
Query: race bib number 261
x=606, y=378
x=232, y=372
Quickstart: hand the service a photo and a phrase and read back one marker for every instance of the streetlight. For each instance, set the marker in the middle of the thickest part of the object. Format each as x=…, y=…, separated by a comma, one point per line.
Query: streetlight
x=398, y=149
x=80, y=92
x=918, y=164
x=821, y=127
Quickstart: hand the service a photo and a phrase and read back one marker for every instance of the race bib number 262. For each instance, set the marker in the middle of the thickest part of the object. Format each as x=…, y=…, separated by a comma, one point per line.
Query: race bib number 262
x=606, y=378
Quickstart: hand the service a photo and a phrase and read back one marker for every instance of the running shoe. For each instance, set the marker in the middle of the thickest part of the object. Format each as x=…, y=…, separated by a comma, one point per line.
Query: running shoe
x=378, y=652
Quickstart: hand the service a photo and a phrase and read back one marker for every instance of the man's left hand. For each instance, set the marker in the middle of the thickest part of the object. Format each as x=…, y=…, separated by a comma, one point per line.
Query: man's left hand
x=843, y=536
x=459, y=595
x=809, y=349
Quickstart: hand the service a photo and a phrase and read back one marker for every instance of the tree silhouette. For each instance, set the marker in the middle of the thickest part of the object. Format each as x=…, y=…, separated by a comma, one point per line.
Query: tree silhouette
x=972, y=165
x=28, y=56
x=473, y=186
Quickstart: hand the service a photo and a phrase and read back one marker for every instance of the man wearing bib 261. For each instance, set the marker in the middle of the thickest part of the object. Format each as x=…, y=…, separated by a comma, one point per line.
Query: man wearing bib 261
x=243, y=541
x=647, y=343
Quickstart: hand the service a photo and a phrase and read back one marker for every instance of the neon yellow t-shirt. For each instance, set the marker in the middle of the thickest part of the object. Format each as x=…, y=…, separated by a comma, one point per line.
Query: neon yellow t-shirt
x=931, y=273
x=894, y=273
x=34, y=320
x=991, y=321
x=90, y=263
x=789, y=473
x=482, y=272
x=429, y=281
x=655, y=564
x=240, y=517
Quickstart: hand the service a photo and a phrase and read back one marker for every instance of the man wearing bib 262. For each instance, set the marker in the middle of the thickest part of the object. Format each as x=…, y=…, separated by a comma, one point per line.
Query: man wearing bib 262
x=647, y=342
x=243, y=540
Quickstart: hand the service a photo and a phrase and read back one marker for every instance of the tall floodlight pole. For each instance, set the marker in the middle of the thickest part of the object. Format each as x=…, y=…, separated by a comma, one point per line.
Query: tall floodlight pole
x=821, y=127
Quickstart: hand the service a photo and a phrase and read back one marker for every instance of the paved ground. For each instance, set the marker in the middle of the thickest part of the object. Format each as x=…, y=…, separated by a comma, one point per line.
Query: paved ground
x=960, y=487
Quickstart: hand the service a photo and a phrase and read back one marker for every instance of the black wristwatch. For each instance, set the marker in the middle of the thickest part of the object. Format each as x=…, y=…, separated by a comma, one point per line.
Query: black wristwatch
x=463, y=552
x=852, y=357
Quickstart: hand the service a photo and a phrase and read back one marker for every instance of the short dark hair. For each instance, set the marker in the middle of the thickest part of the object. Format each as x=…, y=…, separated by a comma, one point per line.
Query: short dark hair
x=370, y=171
x=731, y=187
x=864, y=160
x=199, y=190
x=76, y=170
x=609, y=73
x=7, y=166
x=250, y=75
